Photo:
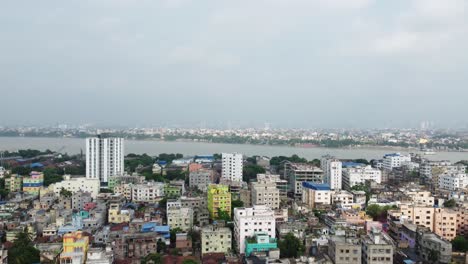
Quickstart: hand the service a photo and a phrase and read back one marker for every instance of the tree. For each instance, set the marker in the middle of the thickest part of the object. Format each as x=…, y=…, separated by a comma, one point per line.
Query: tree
x=173, y=235
x=163, y=203
x=3, y=192
x=23, y=250
x=65, y=193
x=378, y=212
x=290, y=246
x=460, y=244
x=161, y=246
x=223, y=215
x=434, y=255
x=189, y=261
x=250, y=172
x=154, y=258
x=450, y=203
x=51, y=176
x=235, y=204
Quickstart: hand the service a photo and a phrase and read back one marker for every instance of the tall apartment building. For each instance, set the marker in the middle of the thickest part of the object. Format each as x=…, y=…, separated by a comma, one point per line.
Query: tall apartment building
x=281, y=185
x=395, y=160
x=265, y=193
x=219, y=199
x=332, y=172
x=344, y=250
x=453, y=181
x=428, y=242
x=359, y=175
x=248, y=221
x=314, y=195
x=232, y=166
x=104, y=157
x=215, y=239
x=297, y=173
x=445, y=223
x=201, y=178
x=377, y=248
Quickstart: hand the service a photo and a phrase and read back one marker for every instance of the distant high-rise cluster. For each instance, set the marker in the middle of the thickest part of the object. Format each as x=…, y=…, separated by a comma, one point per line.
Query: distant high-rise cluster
x=104, y=157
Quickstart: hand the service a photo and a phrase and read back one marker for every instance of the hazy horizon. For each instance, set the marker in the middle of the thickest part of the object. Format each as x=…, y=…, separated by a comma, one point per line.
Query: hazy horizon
x=291, y=63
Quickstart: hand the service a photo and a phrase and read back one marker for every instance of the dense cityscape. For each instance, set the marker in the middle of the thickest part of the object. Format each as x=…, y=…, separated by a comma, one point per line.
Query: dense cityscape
x=109, y=206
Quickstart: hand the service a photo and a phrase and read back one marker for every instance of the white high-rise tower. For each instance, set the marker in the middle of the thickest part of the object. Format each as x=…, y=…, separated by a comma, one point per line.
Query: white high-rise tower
x=233, y=165
x=104, y=157
x=332, y=169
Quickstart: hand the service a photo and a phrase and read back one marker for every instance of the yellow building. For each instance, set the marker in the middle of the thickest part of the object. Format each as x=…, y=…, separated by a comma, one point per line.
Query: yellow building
x=117, y=215
x=445, y=223
x=75, y=248
x=34, y=183
x=219, y=199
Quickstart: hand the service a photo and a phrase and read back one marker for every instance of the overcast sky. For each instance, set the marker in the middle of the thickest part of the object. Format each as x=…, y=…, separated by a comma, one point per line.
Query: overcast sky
x=304, y=63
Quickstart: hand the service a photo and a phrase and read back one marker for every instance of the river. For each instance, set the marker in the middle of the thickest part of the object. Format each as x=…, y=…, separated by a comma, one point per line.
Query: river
x=75, y=145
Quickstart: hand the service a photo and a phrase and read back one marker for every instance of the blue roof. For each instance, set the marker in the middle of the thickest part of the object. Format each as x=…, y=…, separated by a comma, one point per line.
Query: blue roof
x=352, y=164
x=162, y=162
x=316, y=186
x=153, y=227
x=36, y=165
x=392, y=155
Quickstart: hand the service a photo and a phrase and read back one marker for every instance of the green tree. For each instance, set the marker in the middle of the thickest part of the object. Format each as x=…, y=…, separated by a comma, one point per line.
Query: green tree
x=250, y=172
x=460, y=244
x=161, y=246
x=434, y=256
x=235, y=204
x=450, y=203
x=189, y=261
x=65, y=193
x=223, y=215
x=163, y=203
x=378, y=212
x=51, y=175
x=173, y=234
x=23, y=250
x=290, y=246
x=3, y=192
x=154, y=258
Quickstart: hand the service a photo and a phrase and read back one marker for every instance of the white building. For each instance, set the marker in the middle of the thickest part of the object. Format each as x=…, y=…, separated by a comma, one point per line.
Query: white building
x=332, y=172
x=75, y=185
x=314, y=194
x=148, y=192
x=395, y=160
x=358, y=175
x=344, y=198
x=265, y=193
x=232, y=166
x=180, y=217
x=248, y=221
x=452, y=182
x=104, y=157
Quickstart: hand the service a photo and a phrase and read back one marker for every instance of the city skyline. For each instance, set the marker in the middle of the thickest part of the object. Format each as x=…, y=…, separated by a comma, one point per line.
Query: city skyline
x=328, y=64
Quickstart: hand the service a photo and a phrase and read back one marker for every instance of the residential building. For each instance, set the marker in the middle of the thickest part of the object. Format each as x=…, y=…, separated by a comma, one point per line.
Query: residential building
x=201, y=179
x=148, y=192
x=215, y=239
x=100, y=256
x=259, y=242
x=104, y=157
x=344, y=198
x=427, y=243
x=77, y=184
x=180, y=217
x=33, y=183
x=445, y=223
x=14, y=183
x=359, y=175
x=314, y=194
x=265, y=193
x=232, y=166
x=248, y=221
x=332, y=172
x=462, y=222
x=344, y=250
x=297, y=173
x=118, y=215
x=219, y=199
x=377, y=248
x=420, y=197
x=394, y=160
x=419, y=214
x=75, y=248
x=281, y=185
x=453, y=181
x=135, y=246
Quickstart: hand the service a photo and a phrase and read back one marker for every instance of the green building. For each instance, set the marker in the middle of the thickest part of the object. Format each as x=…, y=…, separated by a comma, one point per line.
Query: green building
x=14, y=183
x=219, y=199
x=260, y=242
x=171, y=191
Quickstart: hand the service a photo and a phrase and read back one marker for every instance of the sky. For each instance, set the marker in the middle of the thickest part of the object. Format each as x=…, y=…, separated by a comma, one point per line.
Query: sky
x=291, y=63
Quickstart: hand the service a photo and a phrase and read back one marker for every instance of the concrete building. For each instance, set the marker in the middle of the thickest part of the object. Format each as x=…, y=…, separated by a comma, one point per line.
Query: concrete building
x=14, y=183
x=419, y=214
x=201, y=179
x=265, y=193
x=343, y=250
x=248, y=221
x=149, y=192
x=219, y=199
x=259, y=242
x=377, y=248
x=453, y=182
x=445, y=223
x=180, y=217
x=314, y=195
x=428, y=242
x=33, y=183
x=297, y=173
x=232, y=166
x=332, y=172
x=462, y=222
x=281, y=185
x=344, y=198
x=75, y=248
x=420, y=197
x=359, y=175
x=394, y=160
x=135, y=246
x=100, y=256
x=104, y=157
x=117, y=215
x=215, y=239
x=77, y=184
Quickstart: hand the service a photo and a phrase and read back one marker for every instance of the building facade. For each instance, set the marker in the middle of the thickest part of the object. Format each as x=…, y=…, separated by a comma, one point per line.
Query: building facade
x=104, y=157
x=219, y=199
x=332, y=172
x=266, y=194
x=215, y=239
x=359, y=175
x=232, y=166
x=297, y=173
x=74, y=185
